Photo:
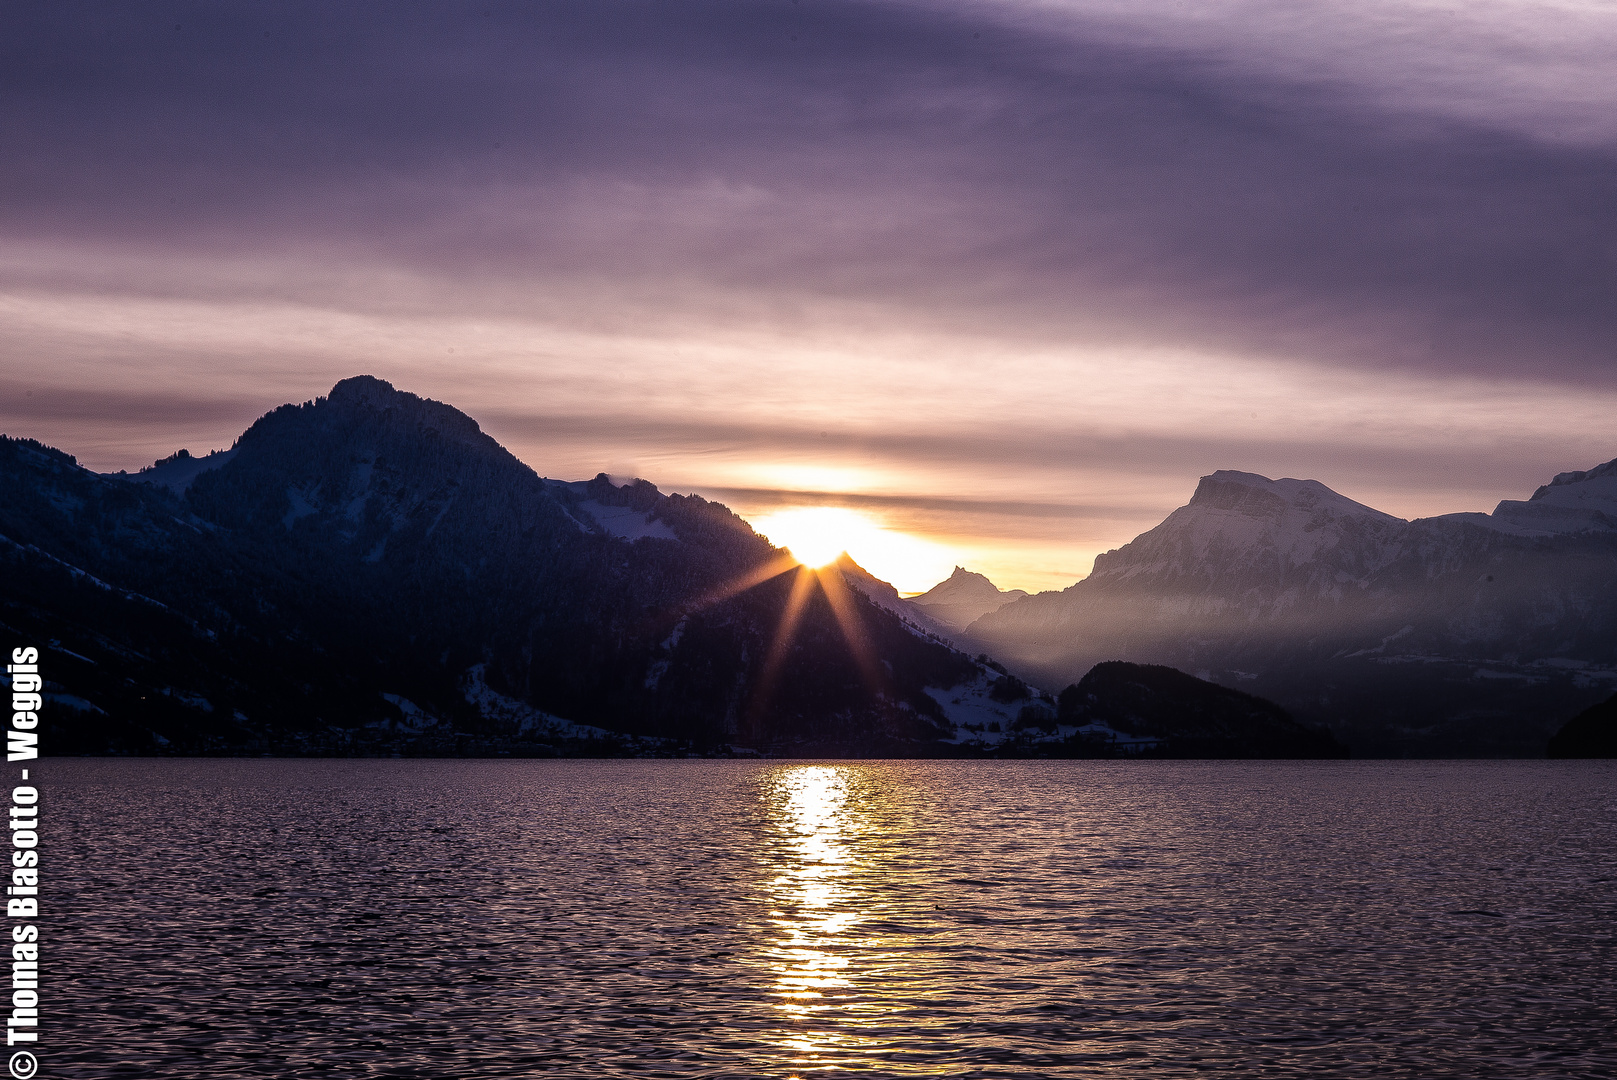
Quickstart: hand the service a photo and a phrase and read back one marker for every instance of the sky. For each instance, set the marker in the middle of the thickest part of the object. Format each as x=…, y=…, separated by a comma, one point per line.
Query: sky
x=1000, y=279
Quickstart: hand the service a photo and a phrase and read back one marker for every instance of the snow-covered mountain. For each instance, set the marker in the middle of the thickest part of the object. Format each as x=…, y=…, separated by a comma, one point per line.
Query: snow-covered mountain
x=1574, y=502
x=963, y=598
x=1462, y=633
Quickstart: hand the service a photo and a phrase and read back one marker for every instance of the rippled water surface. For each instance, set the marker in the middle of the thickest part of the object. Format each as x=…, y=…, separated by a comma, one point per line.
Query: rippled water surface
x=776, y=919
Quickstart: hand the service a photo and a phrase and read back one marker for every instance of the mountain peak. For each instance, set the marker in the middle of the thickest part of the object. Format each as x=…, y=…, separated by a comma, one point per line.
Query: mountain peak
x=365, y=390
x=963, y=598
x=364, y=395
x=1567, y=479
x=1236, y=476
x=964, y=587
x=1260, y=497
x=1572, y=502
x=1243, y=523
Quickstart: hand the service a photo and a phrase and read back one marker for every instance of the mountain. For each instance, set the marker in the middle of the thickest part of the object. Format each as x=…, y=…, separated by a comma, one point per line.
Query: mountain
x=369, y=572
x=1590, y=734
x=964, y=598
x=178, y=470
x=1463, y=634
x=884, y=595
x=1573, y=502
x=1183, y=716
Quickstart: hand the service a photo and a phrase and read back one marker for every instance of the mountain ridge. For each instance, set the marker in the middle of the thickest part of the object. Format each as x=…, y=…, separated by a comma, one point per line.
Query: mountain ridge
x=370, y=572
x=1466, y=633
x=371, y=540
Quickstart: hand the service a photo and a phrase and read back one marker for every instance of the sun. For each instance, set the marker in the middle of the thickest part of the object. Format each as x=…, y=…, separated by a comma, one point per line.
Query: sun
x=815, y=535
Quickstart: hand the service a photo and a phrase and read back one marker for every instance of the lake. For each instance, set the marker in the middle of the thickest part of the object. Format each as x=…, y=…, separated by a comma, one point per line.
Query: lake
x=407, y=918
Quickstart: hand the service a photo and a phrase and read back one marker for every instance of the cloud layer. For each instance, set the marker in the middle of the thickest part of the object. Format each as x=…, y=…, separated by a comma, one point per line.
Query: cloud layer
x=1084, y=249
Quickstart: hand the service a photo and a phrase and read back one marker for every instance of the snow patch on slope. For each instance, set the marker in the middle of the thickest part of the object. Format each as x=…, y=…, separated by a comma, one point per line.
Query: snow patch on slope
x=415, y=717
x=177, y=472
x=359, y=483
x=301, y=506
x=659, y=668
x=86, y=576
x=74, y=702
x=532, y=723
x=627, y=524
x=982, y=721
x=977, y=716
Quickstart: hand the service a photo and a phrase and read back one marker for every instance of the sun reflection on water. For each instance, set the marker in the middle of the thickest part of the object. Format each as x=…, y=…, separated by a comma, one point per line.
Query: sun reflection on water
x=815, y=915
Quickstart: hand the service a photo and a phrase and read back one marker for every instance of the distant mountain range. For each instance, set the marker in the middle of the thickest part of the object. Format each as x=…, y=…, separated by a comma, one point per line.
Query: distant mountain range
x=1460, y=634
x=370, y=573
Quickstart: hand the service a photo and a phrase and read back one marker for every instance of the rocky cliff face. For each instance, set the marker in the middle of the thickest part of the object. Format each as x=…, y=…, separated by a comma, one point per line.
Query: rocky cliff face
x=1467, y=633
x=370, y=572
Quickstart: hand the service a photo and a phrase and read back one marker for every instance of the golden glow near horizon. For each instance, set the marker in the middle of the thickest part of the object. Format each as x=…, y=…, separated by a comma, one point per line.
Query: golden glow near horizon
x=972, y=357
x=1028, y=496
x=817, y=535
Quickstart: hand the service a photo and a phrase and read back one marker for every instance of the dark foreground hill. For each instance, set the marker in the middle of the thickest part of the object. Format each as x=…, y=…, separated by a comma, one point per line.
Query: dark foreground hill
x=371, y=573
x=1590, y=734
x=1186, y=717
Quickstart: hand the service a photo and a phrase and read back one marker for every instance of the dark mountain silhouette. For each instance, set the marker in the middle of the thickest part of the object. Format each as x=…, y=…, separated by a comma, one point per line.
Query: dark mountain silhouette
x=1471, y=634
x=371, y=573
x=1590, y=734
x=1187, y=716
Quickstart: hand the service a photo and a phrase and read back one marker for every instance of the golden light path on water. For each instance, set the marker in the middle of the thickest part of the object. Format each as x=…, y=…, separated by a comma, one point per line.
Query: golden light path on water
x=701, y=919
x=815, y=917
